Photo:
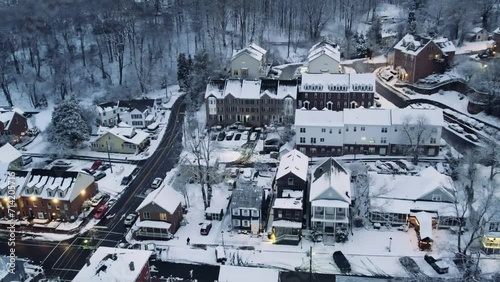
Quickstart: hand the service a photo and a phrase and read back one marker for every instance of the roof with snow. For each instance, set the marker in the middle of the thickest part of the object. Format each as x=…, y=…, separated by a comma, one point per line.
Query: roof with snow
x=113, y=264
x=5, y=181
x=56, y=184
x=251, y=89
x=247, y=196
x=328, y=118
x=413, y=44
x=324, y=49
x=127, y=134
x=106, y=107
x=410, y=187
x=288, y=203
x=253, y=50
x=287, y=193
x=165, y=197
x=444, y=44
x=497, y=30
x=433, y=117
x=6, y=119
x=330, y=182
x=362, y=116
x=9, y=154
x=337, y=82
x=476, y=30
x=293, y=162
x=229, y=273
x=287, y=224
x=139, y=104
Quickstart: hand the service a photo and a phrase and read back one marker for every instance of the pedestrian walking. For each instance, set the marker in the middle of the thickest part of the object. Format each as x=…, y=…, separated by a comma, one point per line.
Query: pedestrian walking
x=188, y=240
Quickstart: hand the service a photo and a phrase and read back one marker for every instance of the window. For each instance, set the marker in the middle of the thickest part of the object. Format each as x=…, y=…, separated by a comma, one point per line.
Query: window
x=146, y=215
x=313, y=150
x=354, y=129
x=433, y=140
x=65, y=207
x=49, y=206
x=323, y=130
x=395, y=129
x=255, y=213
x=494, y=226
x=321, y=139
x=163, y=216
x=245, y=212
x=313, y=140
x=346, y=129
x=384, y=129
x=383, y=140
x=362, y=128
x=236, y=212
x=340, y=131
x=245, y=223
x=236, y=222
x=302, y=140
x=235, y=72
x=436, y=198
x=290, y=181
x=302, y=130
x=280, y=214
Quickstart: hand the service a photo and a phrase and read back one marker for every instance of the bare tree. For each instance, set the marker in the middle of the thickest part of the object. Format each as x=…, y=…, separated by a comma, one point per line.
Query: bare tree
x=490, y=156
x=415, y=132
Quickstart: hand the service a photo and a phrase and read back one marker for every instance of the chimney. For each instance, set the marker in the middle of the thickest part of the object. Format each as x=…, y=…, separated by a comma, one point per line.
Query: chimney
x=131, y=266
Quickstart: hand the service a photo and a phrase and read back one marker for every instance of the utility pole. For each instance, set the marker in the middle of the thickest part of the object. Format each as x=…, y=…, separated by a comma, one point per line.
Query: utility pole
x=310, y=263
x=109, y=157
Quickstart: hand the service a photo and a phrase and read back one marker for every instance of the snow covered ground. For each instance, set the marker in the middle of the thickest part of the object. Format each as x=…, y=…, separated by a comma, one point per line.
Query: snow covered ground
x=472, y=47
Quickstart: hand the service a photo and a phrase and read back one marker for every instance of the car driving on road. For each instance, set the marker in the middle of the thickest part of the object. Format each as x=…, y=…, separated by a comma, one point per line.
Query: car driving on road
x=129, y=220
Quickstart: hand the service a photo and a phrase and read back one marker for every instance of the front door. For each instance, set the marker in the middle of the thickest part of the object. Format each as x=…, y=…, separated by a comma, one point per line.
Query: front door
x=383, y=151
x=432, y=151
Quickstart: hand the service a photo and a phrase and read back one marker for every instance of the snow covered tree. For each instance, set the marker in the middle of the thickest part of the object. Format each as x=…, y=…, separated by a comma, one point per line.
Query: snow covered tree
x=488, y=81
x=415, y=131
x=412, y=23
x=68, y=128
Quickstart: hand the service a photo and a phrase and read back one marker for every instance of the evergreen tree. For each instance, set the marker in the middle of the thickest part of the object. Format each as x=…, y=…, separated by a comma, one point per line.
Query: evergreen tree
x=68, y=128
x=412, y=23
x=198, y=79
x=182, y=70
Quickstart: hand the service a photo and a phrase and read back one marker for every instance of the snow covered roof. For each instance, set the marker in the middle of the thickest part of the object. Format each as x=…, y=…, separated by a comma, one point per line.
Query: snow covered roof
x=139, y=104
x=246, y=196
x=476, y=30
x=229, y=273
x=434, y=116
x=412, y=45
x=113, y=264
x=251, y=89
x=127, y=134
x=253, y=50
x=8, y=153
x=165, y=197
x=330, y=181
x=293, y=162
x=106, y=107
x=60, y=185
x=323, y=49
x=287, y=224
x=337, y=82
x=6, y=119
x=444, y=44
x=410, y=187
x=497, y=30
x=153, y=224
x=20, y=181
x=288, y=203
x=425, y=221
x=292, y=193
x=362, y=116
x=328, y=118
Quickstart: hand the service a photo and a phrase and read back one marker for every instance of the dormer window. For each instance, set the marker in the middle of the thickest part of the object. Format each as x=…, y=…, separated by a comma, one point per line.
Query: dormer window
x=49, y=193
x=36, y=191
x=61, y=194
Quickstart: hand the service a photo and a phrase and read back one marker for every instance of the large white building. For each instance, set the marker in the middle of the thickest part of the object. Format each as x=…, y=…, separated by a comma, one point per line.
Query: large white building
x=324, y=57
x=368, y=131
x=249, y=62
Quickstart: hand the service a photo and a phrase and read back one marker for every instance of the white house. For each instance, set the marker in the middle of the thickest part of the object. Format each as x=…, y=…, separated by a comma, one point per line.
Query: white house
x=330, y=197
x=368, y=131
x=477, y=34
x=324, y=57
x=249, y=63
x=138, y=113
x=106, y=114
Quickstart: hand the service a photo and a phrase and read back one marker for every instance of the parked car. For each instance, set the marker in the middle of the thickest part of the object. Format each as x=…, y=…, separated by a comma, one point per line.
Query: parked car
x=456, y=127
x=405, y=164
x=253, y=136
x=221, y=136
x=27, y=160
x=437, y=263
x=205, y=228
x=100, y=175
x=220, y=255
x=126, y=180
x=229, y=136
x=129, y=220
x=479, y=126
x=156, y=182
x=376, y=97
x=409, y=264
x=104, y=167
x=101, y=211
x=342, y=262
x=89, y=171
x=247, y=173
x=472, y=137
x=96, y=165
x=97, y=199
x=245, y=135
x=234, y=172
x=135, y=171
x=395, y=167
x=382, y=167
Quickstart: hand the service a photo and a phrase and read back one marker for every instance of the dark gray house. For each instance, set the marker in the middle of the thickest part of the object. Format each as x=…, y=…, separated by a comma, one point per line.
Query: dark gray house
x=292, y=172
x=247, y=205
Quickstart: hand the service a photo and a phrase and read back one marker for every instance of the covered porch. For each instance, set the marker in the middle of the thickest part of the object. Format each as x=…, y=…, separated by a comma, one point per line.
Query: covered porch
x=153, y=230
x=329, y=216
x=491, y=243
x=286, y=232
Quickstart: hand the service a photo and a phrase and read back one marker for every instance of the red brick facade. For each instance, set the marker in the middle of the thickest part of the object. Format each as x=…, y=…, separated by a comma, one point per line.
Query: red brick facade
x=334, y=101
x=16, y=126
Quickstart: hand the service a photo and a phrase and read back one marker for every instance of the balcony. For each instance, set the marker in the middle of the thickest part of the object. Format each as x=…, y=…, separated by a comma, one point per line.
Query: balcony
x=332, y=217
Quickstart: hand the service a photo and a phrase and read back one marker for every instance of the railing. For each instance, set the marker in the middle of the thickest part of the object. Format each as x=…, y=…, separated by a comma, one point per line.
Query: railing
x=153, y=235
x=330, y=217
x=287, y=237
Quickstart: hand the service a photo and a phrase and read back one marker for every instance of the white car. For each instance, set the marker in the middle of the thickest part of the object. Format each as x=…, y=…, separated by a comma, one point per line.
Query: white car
x=456, y=127
x=129, y=220
x=472, y=137
x=247, y=173
x=156, y=183
x=253, y=137
x=244, y=136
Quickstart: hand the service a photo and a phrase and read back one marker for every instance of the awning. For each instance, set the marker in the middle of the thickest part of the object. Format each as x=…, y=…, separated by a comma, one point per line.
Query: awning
x=154, y=224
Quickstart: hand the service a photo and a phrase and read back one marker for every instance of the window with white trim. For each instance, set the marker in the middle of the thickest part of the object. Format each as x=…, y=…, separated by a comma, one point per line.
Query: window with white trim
x=236, y=212
x=146, y=215
x=302, y=130
x=302, y=140
x=436, y=198
x=245, y=223
x=244, y=212
x=236, y=222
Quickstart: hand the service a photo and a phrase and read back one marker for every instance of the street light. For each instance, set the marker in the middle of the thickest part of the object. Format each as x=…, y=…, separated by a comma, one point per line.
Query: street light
x=222, y=232
x=390, y=243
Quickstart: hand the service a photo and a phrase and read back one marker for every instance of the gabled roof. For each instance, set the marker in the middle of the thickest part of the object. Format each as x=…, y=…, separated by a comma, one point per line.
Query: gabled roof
x=444, y=44
x=411, y=44
x=6, y=119
x=434, y=117
x=139, y=104
x=21, y=178
x=165, y=197
x=8, y=153
x=293, y=162
x=323, y=42
x=324, y=49
x=476, y=30
x=411, y=187
x=247, y=196
x=127, y=134
x=330, y=181
x=338, y=82
x=107, y=106
x=251, y=89
x=497, y=30
x=318, y=118
x=253, y=50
